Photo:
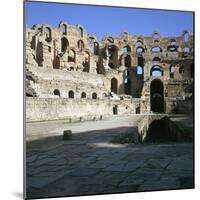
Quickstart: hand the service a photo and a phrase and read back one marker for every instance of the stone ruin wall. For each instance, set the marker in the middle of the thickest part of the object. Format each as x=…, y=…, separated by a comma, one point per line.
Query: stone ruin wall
x=71, y=75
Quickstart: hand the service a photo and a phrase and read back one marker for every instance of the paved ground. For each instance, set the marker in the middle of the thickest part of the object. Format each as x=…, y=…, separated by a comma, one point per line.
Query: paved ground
x=91, y=164
x=38, y=130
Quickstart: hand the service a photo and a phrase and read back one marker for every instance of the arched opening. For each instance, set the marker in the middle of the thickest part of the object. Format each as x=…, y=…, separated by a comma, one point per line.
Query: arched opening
x=83, y=95
x=156, y=49
x=155, y=36
x=114, y=85
x=139, y=70
x=80, y=45
x=173, y=42
x=127, y=61
x=64, y=29
x=139, y=50
x=127, y=86
x=86, y=62
x=126, y=49
x=80, y=30
x=94, y=95
x=171, y=71
x=125, y=35
x=111, y=65
x=157, y=96
x=156, y=71
x=91, y=40
x=186, y=50
x=71, y=94
x=96, y=48
x=139, y=43
x=115, y=110
x=110, y=40
x=33, y=43
x=71, y=56
x=56, y=92
x=113, y=55
x=156, y=59
x=156, y=41
x=47, y=32
x=64, y=44
x=29, y=95
x=172, y=48
x=127, y=82
x=137, y=110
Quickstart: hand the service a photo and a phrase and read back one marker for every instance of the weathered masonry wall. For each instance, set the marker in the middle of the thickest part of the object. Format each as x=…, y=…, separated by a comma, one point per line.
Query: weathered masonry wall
x=70, y=74
x=39, y=109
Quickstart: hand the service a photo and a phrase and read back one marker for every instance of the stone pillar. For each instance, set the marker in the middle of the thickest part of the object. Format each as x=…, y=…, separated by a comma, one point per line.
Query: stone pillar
x=165, y=68
x=134, y=61
x=30, y=56
x=47, y=60
x=121, y=83
x=146, y=71
x=176, y=72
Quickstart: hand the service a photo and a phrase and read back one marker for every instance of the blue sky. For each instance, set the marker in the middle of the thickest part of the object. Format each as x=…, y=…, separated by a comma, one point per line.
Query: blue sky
x=101, y=20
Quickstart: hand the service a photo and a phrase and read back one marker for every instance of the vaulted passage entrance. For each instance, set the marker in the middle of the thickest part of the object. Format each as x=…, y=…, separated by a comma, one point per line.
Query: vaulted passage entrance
x=157, y=97
x=114, y=85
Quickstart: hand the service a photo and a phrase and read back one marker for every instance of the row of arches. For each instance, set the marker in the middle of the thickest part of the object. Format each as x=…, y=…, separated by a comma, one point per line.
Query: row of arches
x=157, y=71
x=56, y=92
x=172, y=46
x=65, y=44
x=156, y=91
x=64, y=28
x=156, y=95
x=141, y=49
x=125, y=59
x=156, y=37
x=47, y=31
x=157, y=49
x=71, y=58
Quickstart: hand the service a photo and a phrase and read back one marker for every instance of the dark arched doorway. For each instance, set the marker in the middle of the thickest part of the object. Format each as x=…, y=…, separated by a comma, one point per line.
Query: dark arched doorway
x=157, y=96
x=64, y=44
x=114, y=85
x=115, y=110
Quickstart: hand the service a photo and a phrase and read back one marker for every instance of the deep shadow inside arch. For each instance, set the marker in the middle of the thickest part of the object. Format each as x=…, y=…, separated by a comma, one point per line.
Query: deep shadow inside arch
x=114, y=85
x=157, y=96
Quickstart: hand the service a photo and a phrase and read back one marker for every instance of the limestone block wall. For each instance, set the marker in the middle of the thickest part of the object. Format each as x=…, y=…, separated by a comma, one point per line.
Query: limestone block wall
x=41, y=109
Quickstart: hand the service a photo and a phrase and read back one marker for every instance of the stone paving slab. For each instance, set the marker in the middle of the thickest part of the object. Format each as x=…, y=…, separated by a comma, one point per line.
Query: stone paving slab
x=84, y=172
x=45, y=179
x=163, y=184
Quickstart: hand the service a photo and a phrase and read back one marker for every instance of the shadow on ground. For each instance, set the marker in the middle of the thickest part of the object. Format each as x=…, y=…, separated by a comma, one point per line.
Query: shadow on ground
x=91, y=164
